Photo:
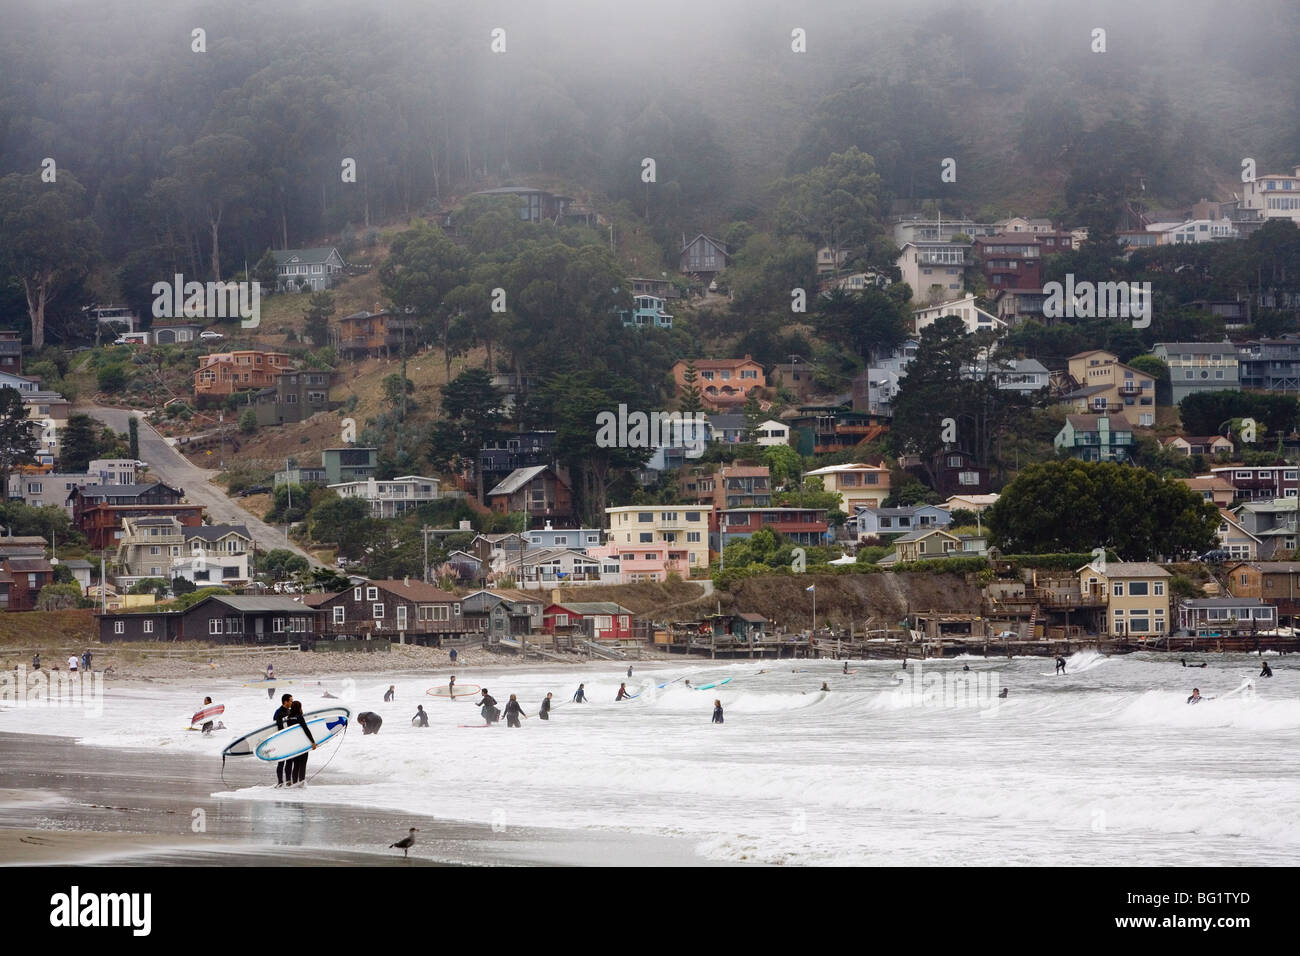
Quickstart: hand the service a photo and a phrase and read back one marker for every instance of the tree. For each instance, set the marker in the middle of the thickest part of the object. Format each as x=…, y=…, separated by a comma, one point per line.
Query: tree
x=133, y=433
x=317, y=315
x=471, y=408
x=59, y=597
x=266, y=273
x=212, y=179
x=1203, y=413
x=78, y=444
x=835, y=203
x=1075, y=506
x=753, y=418
x=248, y=422
x=48, y=247
x=280, y=563
x=784, y=464
x=182, y=586
x=690, y=400
x=1158, y=369
x=18, y=443
x=111, y=378
x=422, y=267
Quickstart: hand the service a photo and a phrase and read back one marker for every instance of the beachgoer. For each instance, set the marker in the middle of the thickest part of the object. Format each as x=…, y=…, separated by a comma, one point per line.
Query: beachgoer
x=280, y=716
x=1267, y=671
x=270, y=675
x=580, y=697
x=1196, y=696
x=488, y=708
x=544, y=711
x=629, y=672
x=421, y=719
x=1060, y=665
x=514, y=712
x=72, y=664
x=370, y=722
x=85, y=660
x=1002, y=694
x=298, y=764
x=846, y=667
x=824, y=686
x=451, y=686
x=453, y=656
x=717, y=711
x=388, y=697
x=36, y=662
x=207, y=727
x=622, y=693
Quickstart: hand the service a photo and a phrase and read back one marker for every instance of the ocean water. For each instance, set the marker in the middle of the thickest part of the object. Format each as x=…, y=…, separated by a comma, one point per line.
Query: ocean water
x=1106, y=764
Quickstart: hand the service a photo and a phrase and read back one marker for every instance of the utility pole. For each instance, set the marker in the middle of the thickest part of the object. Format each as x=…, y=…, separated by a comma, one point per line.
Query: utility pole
x=424, y=533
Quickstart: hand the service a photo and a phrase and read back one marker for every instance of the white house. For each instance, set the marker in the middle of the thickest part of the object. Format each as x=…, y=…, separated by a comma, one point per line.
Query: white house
x=974, y=318
x=1274, y=196
x=772, y=432
x=390, y=498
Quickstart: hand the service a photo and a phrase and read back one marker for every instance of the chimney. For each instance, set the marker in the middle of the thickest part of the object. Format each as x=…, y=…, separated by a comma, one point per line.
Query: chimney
x=406, y=582
x=555, y=595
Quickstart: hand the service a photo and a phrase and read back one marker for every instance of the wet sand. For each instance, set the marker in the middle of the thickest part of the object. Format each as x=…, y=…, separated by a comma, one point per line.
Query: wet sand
x=61, y=804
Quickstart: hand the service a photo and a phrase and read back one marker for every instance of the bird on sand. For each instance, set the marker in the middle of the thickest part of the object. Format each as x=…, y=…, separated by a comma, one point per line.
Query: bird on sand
x=405, y=843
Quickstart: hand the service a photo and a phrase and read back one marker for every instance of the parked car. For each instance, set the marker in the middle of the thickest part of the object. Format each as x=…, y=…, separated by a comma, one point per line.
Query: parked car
x=1216, y=556
x=210, y=336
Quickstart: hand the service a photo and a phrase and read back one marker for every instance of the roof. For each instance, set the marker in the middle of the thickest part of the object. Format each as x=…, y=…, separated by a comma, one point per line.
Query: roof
x=78, y=564
x=121, y=491
x=920, y=533
x=907, y=511
x=719, y=363
x=255, y=605
x=542, y=555
x=752, y=618
x=1198, y=348
x=1271, y=567
x=722, y=246
x=835, y=469
x=1194, y=439
x=1222, y=601
x=22, y=541
x=586, y=608
x=1025, y=365
x=318, y=255
x=1091, y=352
x=1130, y=569
x=415, y=590
x=1088, y=423
x=1087, y=391
x=516, y=480
x=27, y=564
x=317, y=598
x=727, y=421
x=214, y=532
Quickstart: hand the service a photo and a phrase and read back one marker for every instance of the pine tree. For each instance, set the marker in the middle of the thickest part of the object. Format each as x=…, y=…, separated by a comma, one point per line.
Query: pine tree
x=690, y=400
x=753, y=418
x=17, y=439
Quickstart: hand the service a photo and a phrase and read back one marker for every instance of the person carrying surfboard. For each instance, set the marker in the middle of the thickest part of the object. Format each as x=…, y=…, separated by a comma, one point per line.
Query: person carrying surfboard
x=488, y=708
x=514, y=712
x=622, y=693
x=280, y=716
x=298, y=764
x=207, y=727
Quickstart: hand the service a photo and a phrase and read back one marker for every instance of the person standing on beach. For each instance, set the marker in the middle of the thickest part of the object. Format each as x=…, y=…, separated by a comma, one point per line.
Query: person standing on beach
x=36, y=662
x=85, y=660
x=580, y=697
x=298, y=764
x=514, y=712
x=280, y=716
x=453, y=657
x=544, y=711
x=388, y=697
x=451, y=686
x=72, y=664
x=717, y=711
x=629, y=672
x=846, y=667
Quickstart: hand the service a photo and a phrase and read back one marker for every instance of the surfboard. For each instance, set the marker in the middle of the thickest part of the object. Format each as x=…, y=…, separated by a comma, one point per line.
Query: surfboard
x=207, y=713
x=473, y=726
x=270, y=683
x=291, y=741
x=667, y=682
x=247, y=745
x=717, y=683
x=463, y=692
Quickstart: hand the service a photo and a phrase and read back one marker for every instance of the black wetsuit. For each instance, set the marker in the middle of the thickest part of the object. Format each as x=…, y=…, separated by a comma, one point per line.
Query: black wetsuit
x=298, y=764
x=1060, y=665
x=544, y=711
x=388, y=696
x=1195, y=699
x=421, y=719
x=488, y=708
x=717, y=714
x=280, y=716
x=513, y=712
x=1267, y=671
x=370, y=722
x=580, y=697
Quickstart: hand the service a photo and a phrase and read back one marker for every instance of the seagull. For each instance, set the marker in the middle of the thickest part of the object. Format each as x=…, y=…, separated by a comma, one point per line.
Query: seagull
x=406, y=842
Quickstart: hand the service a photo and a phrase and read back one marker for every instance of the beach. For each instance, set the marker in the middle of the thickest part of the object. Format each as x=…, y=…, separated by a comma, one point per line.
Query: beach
x=1104, y=765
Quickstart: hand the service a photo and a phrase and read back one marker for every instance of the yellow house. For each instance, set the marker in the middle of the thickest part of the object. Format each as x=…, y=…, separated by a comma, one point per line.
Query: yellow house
x=683, y=528
x=857, y=485
x=1106, y=385
x=1136, y=593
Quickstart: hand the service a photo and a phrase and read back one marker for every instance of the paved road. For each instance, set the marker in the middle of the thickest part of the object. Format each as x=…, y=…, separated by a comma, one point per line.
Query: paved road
x=170, y=466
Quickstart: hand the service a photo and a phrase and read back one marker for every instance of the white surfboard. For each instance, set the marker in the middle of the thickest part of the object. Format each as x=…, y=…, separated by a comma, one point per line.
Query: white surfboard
x=247, y=745
x=291, y=741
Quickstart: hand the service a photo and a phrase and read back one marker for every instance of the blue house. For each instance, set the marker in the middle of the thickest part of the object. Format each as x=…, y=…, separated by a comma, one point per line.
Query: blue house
x=647, y=313
x=576, y=539
x=877, y=521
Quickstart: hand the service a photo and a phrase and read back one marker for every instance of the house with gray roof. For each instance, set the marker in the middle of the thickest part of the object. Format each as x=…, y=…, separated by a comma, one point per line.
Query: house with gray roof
x=319, y=268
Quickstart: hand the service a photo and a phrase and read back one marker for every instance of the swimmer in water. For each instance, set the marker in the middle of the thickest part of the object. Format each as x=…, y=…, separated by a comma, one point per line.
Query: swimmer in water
x=1267, y=671
x=1196, y=697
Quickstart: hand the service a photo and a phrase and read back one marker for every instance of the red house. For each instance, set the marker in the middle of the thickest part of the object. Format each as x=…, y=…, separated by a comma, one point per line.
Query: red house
x=598, y=620
x=98, y=510
x=21, y=580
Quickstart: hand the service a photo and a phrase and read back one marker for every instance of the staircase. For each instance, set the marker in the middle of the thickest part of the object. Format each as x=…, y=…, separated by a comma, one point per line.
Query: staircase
x=606, y=652
x=1028, y=635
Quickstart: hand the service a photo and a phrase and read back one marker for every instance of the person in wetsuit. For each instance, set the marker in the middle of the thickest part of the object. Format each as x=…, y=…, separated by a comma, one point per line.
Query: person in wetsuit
x=488, y=708
x=1196, y=697
x=370, y=722
x=846, y=667
x=280, y=716
x=581, y=696
x=207, y=727
x=298, y=764
x=1267, y=671
x=717, y=711
x=514, y=712
x=825, y=686
x=622, y=693
x=1002, y=694
x=421, y=719
x=544, y=711
x=1060, y=665
x=965, y=667
x=388, y=695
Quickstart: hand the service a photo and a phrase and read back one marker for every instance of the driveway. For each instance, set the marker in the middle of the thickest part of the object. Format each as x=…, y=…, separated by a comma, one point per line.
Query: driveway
x=168, y=465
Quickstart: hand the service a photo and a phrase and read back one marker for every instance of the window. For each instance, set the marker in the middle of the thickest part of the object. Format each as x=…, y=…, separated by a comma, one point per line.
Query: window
x=561, y=620
x=277, y=625
x=644, y=516
x=214, y=626
x=647, y=537
x=377, y=611
x=692, y=516
x=401, y=615
x=1117, y=589
x=1158, y=588
x=340, y=614
x=692, y=537
x=119, y=627
x=372, y=594
x=1137, y=589
x=356, y=594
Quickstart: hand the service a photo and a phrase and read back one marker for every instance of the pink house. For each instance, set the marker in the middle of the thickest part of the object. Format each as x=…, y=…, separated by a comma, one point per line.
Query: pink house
x=643, y=562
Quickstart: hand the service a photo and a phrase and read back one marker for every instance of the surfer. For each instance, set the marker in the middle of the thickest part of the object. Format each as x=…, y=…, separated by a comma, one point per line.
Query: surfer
x=544, y=711
x=514, y=712
x=488, y=708
x=1060, y=665
x=688, y=682
x=1267, y=671
x=280, y=716
x=580, y=697
x=388, y=696
x=370, y=722
x=1002, y=694
x=1194, y=664
x=328, y=694
x=270, y=675
x=824, y=686
x=629, y=672
x=846, y=667
x=717, y=711
x=207, y=727
x=622, y=693
x=1196, y=696
x=965, y=667
x=298, y=764
x=451, y=686
x=421, y=719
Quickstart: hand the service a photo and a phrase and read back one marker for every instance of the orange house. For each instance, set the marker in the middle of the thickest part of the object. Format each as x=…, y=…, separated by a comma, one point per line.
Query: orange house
x=223, y=373
x=376, y=333
x=722, y=382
